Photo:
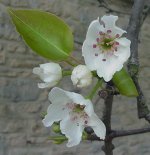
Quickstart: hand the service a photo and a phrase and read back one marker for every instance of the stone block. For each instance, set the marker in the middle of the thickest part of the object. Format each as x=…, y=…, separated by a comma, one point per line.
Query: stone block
x=2, y=57
x=8, y=125
x=20, y=90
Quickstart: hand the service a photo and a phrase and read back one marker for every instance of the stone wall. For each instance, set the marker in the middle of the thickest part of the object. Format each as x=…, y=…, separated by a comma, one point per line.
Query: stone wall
x=21, y=102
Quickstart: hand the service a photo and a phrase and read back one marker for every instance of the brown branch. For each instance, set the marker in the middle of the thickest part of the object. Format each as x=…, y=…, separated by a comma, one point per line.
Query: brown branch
x=108, y=146
x=133, y=63
x=105, y=5
x=145, y=13
x=120, y=133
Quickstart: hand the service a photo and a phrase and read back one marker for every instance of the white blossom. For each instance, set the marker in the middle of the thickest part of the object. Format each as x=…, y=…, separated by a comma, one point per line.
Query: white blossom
x=104, y=50
x=81, y=76
x=74, y=113
x=49, y=73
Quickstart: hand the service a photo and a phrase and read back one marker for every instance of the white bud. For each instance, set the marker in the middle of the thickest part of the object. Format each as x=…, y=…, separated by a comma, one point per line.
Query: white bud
x=50, y=73
x=81, y=76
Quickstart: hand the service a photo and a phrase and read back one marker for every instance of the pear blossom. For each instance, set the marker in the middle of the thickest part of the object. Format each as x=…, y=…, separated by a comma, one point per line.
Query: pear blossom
x=81, y=76
x=74, y=113
x=104, y=49
x=50, y=73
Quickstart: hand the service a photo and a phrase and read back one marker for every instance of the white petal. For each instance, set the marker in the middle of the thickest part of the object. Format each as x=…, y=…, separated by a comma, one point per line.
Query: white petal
x=83, y=83
x=51, y=72
x=123, y=52
x=79, y=99
x=93, y=30
x=110, y=22
x=58, y=96
x=47, y=84
x=52, y=78
x=123, y=41
x=107, y=69
x=37, y=70
x=48, y=72
x=98, y=126
x=81, y=76
x=72, y=130
x=88, y=52
x=57, y=110
x=55, y=113
x=50, y=68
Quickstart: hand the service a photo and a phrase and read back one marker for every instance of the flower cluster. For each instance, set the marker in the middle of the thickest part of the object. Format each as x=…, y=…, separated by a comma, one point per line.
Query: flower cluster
x=104, y=51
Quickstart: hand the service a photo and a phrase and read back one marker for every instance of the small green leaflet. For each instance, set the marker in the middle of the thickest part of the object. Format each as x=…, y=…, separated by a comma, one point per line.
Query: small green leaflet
x=125, y=84
x=44, y=33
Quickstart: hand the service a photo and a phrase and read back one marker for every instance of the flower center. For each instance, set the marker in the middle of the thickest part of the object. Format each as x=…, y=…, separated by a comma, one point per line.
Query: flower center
x=106, y=43
x=78, y=108
x=77, y=113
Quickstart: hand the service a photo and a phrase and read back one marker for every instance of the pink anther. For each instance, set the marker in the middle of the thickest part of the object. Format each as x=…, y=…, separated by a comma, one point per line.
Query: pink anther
x=109, y=31
x=97, y=39
x=117, y=43
x=101, y=33
x=94, y=45
x=117, y=35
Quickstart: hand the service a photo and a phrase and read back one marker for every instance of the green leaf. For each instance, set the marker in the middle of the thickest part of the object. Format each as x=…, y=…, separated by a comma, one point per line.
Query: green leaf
x=44, y=33
x=125, y=84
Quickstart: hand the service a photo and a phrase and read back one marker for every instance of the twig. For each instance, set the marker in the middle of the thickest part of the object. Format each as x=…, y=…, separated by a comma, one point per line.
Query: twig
x=108, y=146
x=109, y=10
x=145, y=13
x=133, y=63
x=120, y=133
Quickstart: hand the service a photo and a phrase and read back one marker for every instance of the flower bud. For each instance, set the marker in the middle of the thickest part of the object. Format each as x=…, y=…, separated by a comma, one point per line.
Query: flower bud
x=56, y=128
x=50, y=73
x=81, y=76
x=84, y=136
x=58, y=141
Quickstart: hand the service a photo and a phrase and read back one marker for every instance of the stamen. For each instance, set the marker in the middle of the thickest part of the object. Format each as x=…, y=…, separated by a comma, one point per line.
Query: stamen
x=117, y=35
x=109, y=31
x=96, y=54
x=103, y=59
x=101, y=33
x=97, y=39
x=94, y=45
x=117, y=43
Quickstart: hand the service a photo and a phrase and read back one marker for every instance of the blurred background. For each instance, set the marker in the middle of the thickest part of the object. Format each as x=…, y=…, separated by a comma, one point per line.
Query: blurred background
x=22, y=102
